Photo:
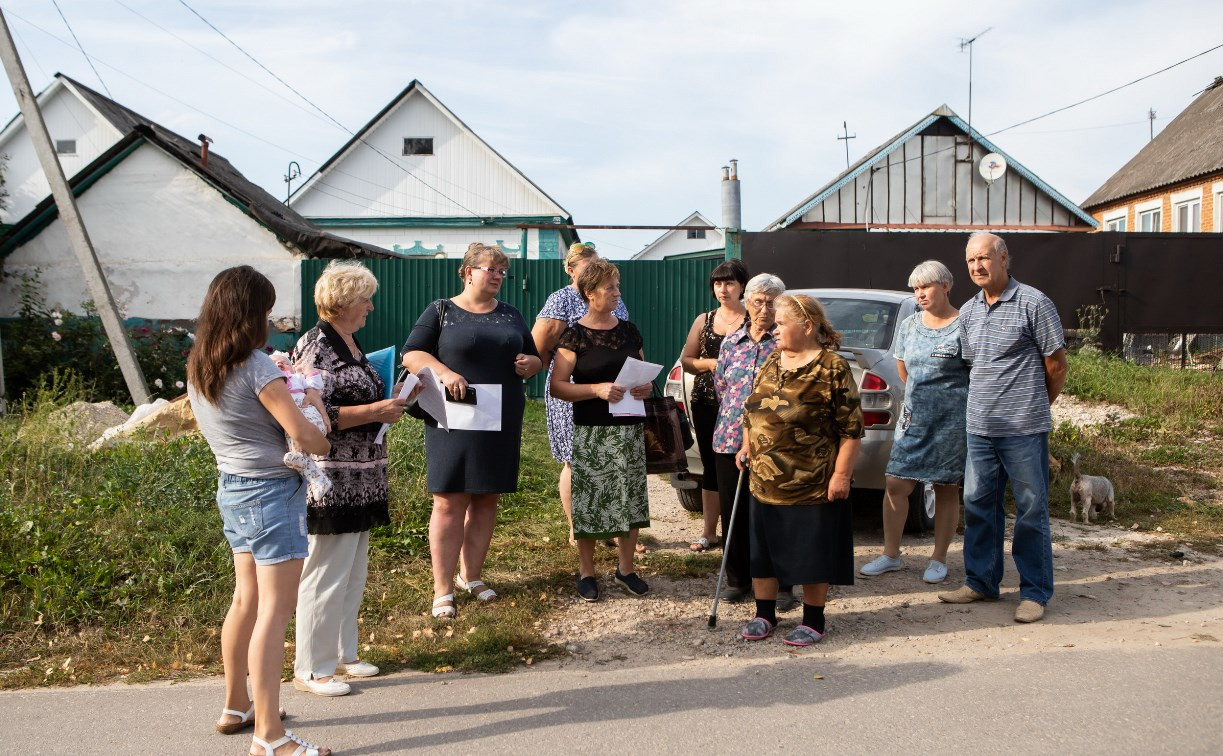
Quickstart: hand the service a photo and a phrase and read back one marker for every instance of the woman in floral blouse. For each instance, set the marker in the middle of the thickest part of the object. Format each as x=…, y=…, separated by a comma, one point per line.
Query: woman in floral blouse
x=802, y=429
x=741, y=355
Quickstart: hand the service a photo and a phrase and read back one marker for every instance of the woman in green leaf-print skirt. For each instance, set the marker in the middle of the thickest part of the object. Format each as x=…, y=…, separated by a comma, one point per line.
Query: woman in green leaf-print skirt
x=609, y=474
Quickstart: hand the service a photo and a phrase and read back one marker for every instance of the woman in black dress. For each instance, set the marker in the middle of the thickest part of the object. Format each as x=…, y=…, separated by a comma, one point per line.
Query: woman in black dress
x=471, y=341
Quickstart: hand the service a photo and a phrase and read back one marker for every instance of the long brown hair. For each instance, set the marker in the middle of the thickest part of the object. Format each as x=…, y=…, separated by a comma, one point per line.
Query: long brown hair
x=233, y=322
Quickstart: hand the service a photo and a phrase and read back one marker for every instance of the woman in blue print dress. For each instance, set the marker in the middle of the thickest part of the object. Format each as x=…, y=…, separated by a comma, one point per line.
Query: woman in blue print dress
x=930, y=444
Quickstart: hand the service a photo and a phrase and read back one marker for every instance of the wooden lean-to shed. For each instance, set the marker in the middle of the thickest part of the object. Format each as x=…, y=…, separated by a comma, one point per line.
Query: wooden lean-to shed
x=928, y=178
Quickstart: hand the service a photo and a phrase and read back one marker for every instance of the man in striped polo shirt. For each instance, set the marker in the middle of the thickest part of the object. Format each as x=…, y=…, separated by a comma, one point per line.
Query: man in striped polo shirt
x=1013, y=337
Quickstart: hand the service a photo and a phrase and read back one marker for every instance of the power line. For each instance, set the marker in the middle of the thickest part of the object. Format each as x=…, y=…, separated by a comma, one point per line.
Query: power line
x=81, y=48
x=388, y=158
x=1114, y=89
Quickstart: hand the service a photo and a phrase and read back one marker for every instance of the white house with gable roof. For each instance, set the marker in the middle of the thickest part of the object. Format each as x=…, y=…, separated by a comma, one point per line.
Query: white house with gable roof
x=418, y=181
x=684, y=242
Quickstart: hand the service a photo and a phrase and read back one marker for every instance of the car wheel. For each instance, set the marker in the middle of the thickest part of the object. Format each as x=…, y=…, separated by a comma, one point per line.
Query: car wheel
x=690, y=498
x=921, y=509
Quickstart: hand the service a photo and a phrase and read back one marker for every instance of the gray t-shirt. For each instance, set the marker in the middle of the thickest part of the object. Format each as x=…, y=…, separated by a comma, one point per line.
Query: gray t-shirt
x=244, y=436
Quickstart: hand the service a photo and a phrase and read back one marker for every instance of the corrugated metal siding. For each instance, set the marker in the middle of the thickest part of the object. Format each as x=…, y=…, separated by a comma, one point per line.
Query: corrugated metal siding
x=663, y=296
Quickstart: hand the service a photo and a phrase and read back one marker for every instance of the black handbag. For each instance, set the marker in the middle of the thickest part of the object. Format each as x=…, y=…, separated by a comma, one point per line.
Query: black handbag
x=414, y=409
x=666, y=436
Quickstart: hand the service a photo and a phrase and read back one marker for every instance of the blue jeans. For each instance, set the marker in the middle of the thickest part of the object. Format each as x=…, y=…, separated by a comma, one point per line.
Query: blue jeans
x=1024, y=460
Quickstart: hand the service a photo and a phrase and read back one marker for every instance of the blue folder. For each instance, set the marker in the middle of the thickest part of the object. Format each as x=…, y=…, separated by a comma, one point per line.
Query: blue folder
x=383, y=361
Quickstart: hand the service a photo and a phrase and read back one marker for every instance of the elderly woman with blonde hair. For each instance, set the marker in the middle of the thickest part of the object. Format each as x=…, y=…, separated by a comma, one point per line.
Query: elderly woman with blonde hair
x=472, y=343
x=802, y=430
x=931, y=443
x=339, y=521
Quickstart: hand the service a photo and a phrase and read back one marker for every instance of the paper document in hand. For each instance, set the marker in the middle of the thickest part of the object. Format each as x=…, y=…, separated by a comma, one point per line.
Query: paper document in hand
x=409, y=383
x=484, y=415
x=431, y=399
x=634, y=373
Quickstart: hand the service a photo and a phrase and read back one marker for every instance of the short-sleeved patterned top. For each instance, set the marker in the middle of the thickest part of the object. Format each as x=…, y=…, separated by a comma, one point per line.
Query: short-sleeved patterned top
x=1006, y=342
x=356, y=465
x=738, y=362
x=795, y=420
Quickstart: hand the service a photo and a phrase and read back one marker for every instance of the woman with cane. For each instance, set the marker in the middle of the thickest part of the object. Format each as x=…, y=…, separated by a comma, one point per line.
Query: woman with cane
x=802, y=429
x=741, y=355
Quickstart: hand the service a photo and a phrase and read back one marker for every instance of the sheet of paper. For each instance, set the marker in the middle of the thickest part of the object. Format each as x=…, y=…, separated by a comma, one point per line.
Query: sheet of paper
x=431, y=399
x=484, y=415
x=409, y=383
x=633, y=373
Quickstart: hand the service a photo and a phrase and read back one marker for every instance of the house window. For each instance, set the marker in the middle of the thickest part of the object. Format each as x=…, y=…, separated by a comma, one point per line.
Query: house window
x=1151, y=220
x=696, y=233
x=65, y=146
x=1117, y=224
x=1117, y=220
x=1219, y=211
x=1187, y=216
x=418, y=145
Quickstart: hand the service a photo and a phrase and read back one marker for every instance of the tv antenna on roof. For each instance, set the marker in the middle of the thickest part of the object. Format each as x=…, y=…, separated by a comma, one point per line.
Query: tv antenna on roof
x=967, y=44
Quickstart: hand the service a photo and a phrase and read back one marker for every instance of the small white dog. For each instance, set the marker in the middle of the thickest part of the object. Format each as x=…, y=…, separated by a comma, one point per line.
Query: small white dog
x=1092, y=492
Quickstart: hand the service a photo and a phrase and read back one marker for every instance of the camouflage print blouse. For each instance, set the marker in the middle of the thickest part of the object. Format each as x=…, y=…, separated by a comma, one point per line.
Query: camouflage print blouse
x=795, y=420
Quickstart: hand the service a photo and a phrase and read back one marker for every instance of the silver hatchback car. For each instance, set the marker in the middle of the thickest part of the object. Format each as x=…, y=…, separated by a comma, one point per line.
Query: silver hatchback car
x=868, y=320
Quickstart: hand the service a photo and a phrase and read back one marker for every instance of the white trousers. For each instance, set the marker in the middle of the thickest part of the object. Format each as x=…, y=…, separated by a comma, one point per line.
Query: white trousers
x=328, y=600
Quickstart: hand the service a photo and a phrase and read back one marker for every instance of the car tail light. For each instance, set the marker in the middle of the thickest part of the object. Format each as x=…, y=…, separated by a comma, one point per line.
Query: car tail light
x=870, y=419
x=676, y=374
x=872, y=382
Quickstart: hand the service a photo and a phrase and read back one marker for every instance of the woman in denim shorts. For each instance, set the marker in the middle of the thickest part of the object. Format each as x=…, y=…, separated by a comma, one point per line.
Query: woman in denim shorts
x=244, y=410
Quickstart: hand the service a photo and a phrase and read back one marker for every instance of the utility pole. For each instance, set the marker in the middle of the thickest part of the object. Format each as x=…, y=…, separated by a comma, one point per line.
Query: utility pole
x=967, y=43
x=95, y=278
x=1151, y=118
x=846, y=138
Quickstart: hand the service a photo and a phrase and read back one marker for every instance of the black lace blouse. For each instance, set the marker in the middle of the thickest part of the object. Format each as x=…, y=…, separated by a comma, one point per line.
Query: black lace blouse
x=600, y=355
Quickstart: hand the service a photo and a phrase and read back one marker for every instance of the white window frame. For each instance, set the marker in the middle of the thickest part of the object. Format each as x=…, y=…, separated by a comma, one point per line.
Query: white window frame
x=1217, y=190
x=1143, y=208
x=1186, y=200
x=1112, y=217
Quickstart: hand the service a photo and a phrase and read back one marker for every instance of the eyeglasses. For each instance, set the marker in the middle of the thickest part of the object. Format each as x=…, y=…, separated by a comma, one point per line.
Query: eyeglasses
x=491, y=270
x=762, y=304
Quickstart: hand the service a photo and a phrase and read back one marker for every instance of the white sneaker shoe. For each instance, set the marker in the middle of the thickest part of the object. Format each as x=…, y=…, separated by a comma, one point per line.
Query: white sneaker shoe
x=936, y=572
x=881, y=564
x=330, y=689
x=356, y=669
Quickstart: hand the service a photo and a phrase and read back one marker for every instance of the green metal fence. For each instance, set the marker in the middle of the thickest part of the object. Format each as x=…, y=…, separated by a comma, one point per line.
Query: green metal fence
x=663, y=296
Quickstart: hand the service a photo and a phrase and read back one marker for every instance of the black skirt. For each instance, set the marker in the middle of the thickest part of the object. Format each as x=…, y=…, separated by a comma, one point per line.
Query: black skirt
x=803, y=543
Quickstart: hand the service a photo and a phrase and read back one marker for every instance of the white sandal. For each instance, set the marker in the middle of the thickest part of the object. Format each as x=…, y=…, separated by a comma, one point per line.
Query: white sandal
x=269, y=749
x=245, y=719
x=484, y=596
x=442, y=610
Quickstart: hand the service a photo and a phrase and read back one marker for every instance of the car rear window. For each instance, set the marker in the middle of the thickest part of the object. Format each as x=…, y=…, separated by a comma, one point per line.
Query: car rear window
x=863, y=323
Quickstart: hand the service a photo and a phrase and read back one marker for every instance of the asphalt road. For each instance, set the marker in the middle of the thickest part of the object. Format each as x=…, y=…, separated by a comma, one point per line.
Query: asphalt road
x=1157, y=700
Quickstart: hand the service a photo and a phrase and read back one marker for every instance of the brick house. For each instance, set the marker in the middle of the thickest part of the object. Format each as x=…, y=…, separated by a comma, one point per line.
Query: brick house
x=1175, y=182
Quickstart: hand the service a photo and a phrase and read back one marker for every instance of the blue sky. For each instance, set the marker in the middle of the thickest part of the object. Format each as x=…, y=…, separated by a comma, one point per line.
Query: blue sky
x=624, y=112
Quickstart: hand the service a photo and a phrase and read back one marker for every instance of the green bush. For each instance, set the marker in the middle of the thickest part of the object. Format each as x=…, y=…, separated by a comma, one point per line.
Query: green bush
x=40, y=341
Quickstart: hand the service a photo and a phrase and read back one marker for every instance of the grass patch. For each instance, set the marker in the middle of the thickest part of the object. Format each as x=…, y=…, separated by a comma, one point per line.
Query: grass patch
x=1165, y=463
x=113, y=566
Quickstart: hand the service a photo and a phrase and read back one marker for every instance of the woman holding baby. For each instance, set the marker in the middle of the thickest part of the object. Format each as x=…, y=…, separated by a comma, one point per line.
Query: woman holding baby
x=333, y=577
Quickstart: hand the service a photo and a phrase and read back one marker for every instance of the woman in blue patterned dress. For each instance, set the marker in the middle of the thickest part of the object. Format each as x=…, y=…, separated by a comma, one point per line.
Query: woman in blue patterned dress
x=564, y=308
x=931, y=436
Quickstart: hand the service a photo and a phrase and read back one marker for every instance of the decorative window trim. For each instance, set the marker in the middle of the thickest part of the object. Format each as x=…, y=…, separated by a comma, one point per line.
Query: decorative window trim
x=1155, y=204
x=1188, y=195
x=1118, y=214
x=1189, y=204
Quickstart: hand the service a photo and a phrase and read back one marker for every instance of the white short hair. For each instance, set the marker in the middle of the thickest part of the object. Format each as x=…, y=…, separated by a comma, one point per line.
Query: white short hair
x=764, y=283
x=930, y=272
x=996, y=242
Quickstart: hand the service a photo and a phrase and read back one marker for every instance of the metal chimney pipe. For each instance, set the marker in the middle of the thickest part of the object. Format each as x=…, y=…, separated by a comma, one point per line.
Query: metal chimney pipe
x=732, y=216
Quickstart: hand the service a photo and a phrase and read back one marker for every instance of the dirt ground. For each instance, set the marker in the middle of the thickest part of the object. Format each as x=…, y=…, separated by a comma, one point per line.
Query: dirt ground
x=1114, y=589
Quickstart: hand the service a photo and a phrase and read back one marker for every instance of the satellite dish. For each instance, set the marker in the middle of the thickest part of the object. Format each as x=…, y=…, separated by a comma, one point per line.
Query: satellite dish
x=992, y=167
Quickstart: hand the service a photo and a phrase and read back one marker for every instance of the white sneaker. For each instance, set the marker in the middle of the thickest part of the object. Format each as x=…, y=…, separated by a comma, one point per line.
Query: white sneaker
x=356, y=669
x=331, y=688
x=881, y=564
x=936, y=572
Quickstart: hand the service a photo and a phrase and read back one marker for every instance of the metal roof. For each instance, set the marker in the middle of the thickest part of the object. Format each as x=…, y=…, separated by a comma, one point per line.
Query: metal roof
x=882, y=151
x=1189, y=147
